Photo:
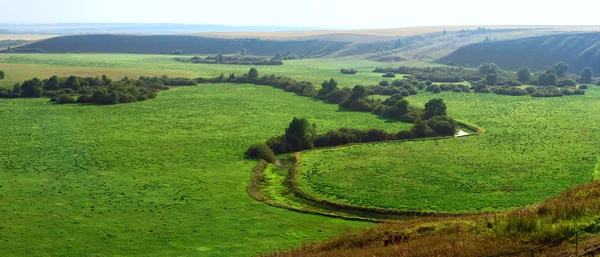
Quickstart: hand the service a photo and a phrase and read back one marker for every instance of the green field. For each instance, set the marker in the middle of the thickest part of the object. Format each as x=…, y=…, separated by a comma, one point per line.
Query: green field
x=23, y=66
x=168, y=176
x=533, y=148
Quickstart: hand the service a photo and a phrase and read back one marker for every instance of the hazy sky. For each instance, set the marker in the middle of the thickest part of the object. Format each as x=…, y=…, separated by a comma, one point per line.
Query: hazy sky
x=307, y=13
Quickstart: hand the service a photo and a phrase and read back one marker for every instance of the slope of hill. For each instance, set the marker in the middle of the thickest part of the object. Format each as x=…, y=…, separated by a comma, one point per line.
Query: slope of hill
x=187, y=44
x=538, y=53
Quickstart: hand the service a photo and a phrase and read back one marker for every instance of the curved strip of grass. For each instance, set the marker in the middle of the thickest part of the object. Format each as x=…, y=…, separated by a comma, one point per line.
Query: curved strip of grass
x=341, y=210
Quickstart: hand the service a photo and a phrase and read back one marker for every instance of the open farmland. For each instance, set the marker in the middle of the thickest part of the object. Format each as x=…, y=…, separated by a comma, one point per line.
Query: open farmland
x=168, y=176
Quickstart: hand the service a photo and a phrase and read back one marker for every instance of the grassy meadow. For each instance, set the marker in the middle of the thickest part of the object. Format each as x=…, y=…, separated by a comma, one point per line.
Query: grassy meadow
x=168, y=176
x=533, y=148
x=23, y=66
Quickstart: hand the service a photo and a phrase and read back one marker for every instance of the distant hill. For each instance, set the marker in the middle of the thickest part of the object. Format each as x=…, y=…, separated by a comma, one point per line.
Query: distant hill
x=137, y=28
x=187, y=44
x=538, y=53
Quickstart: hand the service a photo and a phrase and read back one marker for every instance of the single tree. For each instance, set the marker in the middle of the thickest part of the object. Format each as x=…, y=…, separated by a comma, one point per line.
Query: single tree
x=491, y=79
x=435, y=107
x=300, y=135
x=421, y=129
x=488, y=68
x=551, y=80
x=32, y=88
x=243, y=52
x=52, y=83
x=524, y=75
x=328, y=87
x=561, y=69
x=2, y=74
x=587, y=75
x=253, y=74
x=73, y=83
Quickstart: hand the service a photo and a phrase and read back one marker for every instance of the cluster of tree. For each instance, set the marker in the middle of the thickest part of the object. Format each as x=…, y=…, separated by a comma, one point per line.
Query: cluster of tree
x=302, y=135
x=435, y=74
x=234, y=59
x=389, y=75
x=348, y=71
x=289, y=55
x=22, y=50
x=448, y=87
x=95, y=90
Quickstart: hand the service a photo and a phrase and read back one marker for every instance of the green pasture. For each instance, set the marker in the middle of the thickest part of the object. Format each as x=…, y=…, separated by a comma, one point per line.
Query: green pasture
x=167, y=177
x=534, y=148
x=23, y=66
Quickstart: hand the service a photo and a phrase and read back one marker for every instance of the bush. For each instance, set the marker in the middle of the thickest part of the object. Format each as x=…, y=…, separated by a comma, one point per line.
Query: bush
x=443, y=125
x=262, y=151
x=276, y=144
x=405, y=134
x=348, y=71
x=583, y=87
x=65, y=99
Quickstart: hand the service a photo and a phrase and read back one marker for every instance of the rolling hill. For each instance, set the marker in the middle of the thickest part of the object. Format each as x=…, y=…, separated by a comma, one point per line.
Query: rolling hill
x=187, y=44
x=538, y=53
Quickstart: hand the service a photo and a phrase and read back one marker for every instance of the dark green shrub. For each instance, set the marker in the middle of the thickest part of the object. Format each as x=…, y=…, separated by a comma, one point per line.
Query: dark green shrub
x=65, y=99
x=262, y=151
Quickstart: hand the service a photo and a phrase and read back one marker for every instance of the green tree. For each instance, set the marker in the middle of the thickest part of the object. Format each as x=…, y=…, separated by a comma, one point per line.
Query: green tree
x=551, y=80
x=491, y=79
x=262, y=151
x=32, y=88
x=16, y=92
x=435, y=107
x=2, y=74
x=65, y=99
x=488, y=68
x=73, y=83
x=587, y=75
x=53, y=83
x=300, y=135
x=359, y=92
x=524, y=75
x=243, y=52
x=561, y=69
x=253, y=74
x=421, y=129
x=328, y=87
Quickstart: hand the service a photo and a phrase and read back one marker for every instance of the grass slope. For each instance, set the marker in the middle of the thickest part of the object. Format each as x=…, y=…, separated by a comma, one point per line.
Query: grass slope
x=162, y=177
x=533, y=149
x=538, y=53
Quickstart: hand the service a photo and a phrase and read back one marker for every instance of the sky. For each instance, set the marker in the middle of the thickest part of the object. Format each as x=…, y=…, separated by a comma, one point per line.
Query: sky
x=335, y=14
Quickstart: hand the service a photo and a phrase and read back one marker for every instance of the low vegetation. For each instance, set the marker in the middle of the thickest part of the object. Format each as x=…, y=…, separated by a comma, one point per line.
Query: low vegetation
x=489, y=78
x=94, y=90
x=237, y=59
x=348, y=71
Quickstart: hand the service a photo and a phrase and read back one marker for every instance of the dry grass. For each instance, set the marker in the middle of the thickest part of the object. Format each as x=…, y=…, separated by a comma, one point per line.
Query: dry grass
x=25, y=36
x=483, y=235
x=394, y=32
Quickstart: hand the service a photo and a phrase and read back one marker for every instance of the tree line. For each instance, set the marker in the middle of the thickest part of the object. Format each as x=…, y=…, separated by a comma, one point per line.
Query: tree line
x=93, y=90
x=489, y=78
x=302, y=135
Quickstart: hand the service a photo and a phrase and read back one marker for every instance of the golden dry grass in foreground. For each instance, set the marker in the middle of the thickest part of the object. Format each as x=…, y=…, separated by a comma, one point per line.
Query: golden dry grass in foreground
x=484, y=235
